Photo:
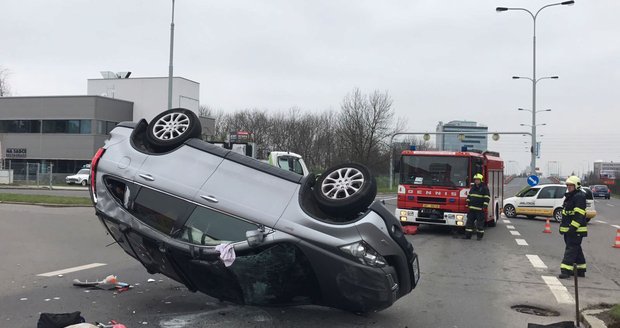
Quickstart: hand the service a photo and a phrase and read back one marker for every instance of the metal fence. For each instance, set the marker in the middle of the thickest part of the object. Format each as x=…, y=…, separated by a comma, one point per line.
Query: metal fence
x=34, y=174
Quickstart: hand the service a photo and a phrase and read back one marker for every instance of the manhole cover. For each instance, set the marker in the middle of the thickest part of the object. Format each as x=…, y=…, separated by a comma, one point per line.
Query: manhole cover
x=534, y=310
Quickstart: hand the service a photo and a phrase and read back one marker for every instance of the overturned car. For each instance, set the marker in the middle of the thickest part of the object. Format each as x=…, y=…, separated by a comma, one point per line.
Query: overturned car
x=244, y=231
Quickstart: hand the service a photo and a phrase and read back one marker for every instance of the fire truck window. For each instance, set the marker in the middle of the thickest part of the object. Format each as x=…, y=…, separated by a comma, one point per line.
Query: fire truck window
x=476, y=166
x=434, y=170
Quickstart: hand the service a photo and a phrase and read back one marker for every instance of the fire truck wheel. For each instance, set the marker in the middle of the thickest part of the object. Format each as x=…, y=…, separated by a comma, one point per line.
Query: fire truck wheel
x=557, y=214
x=345, y=190
x=172, y=128
x=510, y=211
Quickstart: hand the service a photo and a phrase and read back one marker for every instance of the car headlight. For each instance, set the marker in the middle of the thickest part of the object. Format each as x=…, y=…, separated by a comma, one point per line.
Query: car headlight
x=364, y=254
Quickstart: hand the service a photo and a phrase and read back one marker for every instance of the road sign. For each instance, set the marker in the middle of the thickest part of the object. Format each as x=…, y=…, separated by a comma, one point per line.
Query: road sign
x=533, y=180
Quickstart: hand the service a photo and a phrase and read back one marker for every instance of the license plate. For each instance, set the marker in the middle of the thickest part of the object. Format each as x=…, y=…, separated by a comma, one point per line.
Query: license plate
x=431, y=205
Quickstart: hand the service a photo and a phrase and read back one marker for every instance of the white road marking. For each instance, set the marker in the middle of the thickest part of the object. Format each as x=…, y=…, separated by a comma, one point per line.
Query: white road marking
x=601, y=221
x=69, y=270
x=515, y=233
x=559, y=291
x=387, y=198
x=507, y=221
x=615, y=226
x=510, y=226
x=612, y=205
x=536, y=261
x=521, y=242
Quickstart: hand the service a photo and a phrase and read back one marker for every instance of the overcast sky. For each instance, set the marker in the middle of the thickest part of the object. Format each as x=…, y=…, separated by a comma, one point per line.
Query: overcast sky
x=439, y=60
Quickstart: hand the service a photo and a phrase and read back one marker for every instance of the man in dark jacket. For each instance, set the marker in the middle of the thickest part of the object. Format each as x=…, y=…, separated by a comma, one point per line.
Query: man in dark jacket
x=477, y=201
x=574, y=228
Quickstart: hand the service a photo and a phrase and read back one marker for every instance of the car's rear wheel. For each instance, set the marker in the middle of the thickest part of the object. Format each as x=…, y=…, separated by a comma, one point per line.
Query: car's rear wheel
x=345, y=190
x=172, y=128
x=83, y=182
x=557, y=214
x=510, y=211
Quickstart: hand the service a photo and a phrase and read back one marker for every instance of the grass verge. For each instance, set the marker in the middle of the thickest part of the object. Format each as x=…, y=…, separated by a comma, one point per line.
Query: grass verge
x=44, y=199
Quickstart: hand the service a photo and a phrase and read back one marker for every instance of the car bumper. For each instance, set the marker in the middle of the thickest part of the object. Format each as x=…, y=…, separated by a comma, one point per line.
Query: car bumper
x=448, y=219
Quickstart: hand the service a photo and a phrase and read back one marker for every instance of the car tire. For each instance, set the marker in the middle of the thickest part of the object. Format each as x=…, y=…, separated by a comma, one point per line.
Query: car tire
x=345, y=190
x=510, y=211
x=557, y=215
x=172, y=128
x=84, y=182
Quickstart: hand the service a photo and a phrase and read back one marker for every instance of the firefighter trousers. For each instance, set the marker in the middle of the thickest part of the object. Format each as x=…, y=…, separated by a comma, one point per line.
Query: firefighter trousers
x=474, y=218
x=573, y=254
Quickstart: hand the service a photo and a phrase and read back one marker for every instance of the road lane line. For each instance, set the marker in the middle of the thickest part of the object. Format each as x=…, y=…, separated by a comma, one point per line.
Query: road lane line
x=507, y=221
x=521, y=242
x=615, y=226
x=612, y=205
x=515, y=233
x=69, y=270
x=510, y=227
x=559, y=291
x=536, y=261
x=391, y=198
x=601, y=221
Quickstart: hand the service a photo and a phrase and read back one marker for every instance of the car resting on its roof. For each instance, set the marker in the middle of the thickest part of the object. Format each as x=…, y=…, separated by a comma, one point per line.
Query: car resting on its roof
x=245, y=231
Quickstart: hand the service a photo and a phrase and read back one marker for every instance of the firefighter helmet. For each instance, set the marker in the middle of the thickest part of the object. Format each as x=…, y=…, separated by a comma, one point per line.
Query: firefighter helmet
x=574, y=181
x=479, y=177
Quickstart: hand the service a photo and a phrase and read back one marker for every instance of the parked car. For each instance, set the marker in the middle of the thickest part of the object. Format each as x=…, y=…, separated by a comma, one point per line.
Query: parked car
x=81, y=177
x=182, y=207
x=544, y=200
x=601, y=191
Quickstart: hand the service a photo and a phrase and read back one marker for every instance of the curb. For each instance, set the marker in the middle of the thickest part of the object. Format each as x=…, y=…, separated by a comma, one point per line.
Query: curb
x=45, y=204
x=590, y=321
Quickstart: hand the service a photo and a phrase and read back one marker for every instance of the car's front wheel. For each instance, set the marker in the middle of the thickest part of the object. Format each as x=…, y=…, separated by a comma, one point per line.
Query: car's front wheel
x=84, y=182
x=557, y=214
x=510, y=211
x=172, y=128
x=345, y=190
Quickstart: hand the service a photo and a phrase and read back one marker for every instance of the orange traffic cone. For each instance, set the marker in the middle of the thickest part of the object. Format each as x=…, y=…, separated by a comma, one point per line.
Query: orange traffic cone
x=617, y=245
x=547, y=227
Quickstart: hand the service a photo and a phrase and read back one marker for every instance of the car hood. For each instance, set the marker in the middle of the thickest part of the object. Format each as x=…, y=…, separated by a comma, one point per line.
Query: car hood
x=510, y=200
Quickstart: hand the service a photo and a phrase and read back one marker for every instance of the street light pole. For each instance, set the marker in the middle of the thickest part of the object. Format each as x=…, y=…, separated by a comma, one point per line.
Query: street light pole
x=171, y=55
x=533, y=79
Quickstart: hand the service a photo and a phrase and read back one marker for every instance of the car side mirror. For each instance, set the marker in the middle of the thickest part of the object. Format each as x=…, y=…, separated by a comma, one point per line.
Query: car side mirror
x=255, y=237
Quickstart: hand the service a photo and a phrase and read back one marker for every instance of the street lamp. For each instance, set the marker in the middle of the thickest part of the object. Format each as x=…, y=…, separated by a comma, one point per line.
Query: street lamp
x=171, y=53
x=533, y=78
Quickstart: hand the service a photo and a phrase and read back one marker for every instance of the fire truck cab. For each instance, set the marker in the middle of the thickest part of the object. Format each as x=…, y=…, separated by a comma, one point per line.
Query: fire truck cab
x=434, y=185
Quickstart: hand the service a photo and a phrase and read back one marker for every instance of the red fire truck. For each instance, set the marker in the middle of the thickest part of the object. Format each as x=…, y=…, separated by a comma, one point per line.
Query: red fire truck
x=434, y=185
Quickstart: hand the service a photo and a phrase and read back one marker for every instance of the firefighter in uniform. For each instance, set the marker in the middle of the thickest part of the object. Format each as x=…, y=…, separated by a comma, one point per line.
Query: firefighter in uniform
x=574, y=228
x=477, y=201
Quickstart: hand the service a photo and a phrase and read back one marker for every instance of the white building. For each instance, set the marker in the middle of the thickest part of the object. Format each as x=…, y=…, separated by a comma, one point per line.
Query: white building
x=148, y=94
x=452, y=142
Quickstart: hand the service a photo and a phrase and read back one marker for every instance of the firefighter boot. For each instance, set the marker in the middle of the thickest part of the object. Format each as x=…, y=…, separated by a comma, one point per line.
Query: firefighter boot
x=479, y=235
x=565, y=274
x=468, y=233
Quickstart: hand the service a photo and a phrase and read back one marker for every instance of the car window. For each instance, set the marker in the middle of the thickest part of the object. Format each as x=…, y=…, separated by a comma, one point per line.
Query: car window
x=83, y=171
x=209, y=227
x=159, y=210
x=530, y=192
x=588, y=193
x=559, y=192
x=547, y=193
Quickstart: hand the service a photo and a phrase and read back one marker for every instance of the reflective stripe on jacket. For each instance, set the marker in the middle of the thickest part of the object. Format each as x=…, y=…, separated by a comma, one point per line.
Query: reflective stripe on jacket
x=574, y=214
x=478, y=197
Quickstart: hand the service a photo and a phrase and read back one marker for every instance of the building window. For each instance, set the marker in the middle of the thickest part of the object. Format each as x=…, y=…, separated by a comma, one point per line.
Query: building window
x=104, y=127
x=20, y=126
x=67, y=126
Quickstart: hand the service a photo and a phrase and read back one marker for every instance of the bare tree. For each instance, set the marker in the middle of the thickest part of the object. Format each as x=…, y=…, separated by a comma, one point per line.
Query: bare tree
x=5, y=89
x=365, y=124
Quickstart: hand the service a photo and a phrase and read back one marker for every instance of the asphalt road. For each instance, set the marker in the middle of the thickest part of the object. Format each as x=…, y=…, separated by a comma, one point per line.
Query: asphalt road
x=464, y=283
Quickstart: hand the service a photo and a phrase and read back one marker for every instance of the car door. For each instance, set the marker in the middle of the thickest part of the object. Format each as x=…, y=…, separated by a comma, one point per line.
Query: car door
x=249, y=189
x=545, y=201
x=526, y=203
x=180, y=172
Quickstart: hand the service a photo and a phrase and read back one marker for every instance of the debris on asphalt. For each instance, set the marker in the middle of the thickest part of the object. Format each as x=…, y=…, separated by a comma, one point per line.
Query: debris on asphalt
x=60, y=276
x=150, y=280
x=59, y=320
x=108, y=283
x=23, y=299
